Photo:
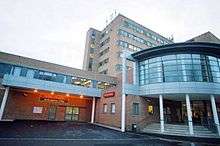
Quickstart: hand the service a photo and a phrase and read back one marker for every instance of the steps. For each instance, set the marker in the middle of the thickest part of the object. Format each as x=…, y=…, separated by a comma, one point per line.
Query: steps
x=180, y=130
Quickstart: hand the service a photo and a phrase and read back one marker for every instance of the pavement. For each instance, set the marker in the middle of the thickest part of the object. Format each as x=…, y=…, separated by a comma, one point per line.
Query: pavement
x=46, y=133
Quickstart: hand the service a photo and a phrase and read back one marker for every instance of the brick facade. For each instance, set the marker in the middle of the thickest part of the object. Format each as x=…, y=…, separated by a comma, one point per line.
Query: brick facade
x=108, y=118
x=20, y=106
x=114, y=120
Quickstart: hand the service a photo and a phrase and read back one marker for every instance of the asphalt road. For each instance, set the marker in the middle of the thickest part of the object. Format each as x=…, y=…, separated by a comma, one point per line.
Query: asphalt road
x=44, y=133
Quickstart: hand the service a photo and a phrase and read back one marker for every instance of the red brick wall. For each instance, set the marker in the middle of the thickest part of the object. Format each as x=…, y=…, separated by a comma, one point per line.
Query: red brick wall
x=144, y=117
x=115, y=119
x=20, y=106
x=109, y=118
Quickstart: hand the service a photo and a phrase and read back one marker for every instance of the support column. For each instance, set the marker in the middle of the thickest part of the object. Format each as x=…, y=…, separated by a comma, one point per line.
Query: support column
x=189, y=114
x=123, y=102
x=161, y=114
x=134, y=73
x=4, y=100
x=215, y=114
x=93, y=110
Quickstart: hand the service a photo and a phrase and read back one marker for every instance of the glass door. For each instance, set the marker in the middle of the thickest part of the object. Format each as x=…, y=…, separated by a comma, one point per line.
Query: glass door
x=52, y=113
x=72, y=114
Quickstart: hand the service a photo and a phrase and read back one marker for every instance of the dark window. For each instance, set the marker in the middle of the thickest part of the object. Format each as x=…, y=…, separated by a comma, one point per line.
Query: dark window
x=48, y=76
x=136, y=109
x=90, y=63
x=92, y=50
x=23, y=72
x=4, y=69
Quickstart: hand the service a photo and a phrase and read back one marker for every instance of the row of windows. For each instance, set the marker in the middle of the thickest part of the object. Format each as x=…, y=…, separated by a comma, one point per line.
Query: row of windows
x=105, y=42
x=180, y=68
x=104, y=52
x=142, y=31
x=135, y=38
x=135, y=108
x=50, y=76
x=128, y=46
x=103, y=62
x=112, y=106
x=104, y=34
x=104, y=71
x=118, y=67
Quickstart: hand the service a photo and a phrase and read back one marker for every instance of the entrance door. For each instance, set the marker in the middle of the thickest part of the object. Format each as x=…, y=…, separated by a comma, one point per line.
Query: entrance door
x=72, y=114
x=198, y=112
x=52, y=113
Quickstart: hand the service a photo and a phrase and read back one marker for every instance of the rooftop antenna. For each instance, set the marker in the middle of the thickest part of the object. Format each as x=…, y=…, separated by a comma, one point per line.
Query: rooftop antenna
x=172, y=38
x=106, y=21
x=111, y=16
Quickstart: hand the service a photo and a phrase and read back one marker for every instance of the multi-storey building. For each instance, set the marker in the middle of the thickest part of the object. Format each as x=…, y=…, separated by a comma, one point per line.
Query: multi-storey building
x=172, y=89
x=103, y=48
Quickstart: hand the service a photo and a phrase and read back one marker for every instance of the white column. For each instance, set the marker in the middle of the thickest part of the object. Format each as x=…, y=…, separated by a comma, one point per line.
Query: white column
x=161, y=114
x=93, y=110
x=215, y=114
x=123, y=102
x=134, y=73
x=189, y=114
x=4, y=100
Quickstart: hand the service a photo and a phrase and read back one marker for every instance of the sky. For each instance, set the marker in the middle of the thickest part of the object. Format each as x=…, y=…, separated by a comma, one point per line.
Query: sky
x=55, y=30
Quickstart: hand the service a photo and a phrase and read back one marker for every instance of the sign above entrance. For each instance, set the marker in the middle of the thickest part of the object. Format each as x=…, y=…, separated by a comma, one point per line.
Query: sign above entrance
x=109, y=94
x=37, y=110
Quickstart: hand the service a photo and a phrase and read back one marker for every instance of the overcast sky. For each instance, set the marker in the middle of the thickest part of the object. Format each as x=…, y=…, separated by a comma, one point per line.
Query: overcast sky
x=55, y=30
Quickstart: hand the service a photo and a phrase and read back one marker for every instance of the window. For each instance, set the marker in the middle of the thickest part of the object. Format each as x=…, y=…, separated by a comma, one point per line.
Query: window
x=103, y=62
x=104, y=85
x=179, y=68
x=81, y=82
x=104, y=72
x=112, y=108
x=92, y=50
x=105, y=42
x=118, y=67
x=48, y=76
x=136, y=109
x=143, y=31
x=23, y=72
x=128, y=46
x=104, y=52
x=4, y=69
x=90, y=63
x=72, y=114
x=105, y=108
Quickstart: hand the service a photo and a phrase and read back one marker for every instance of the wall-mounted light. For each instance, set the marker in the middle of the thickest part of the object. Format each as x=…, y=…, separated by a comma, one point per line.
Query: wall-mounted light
x=67, y=94
x=52, y=93
x=35, y=90
x=81, y=96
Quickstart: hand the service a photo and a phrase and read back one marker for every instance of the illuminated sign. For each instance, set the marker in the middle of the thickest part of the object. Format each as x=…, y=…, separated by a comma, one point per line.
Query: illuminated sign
x=109, y=94
x=53, y=99
x=37, y=110
x=150, y=109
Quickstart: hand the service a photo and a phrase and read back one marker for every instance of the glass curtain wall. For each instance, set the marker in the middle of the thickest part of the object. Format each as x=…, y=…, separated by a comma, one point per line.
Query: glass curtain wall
x=180, y=68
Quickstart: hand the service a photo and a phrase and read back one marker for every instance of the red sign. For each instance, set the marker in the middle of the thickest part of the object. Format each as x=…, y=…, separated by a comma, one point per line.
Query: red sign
x=109, y=94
